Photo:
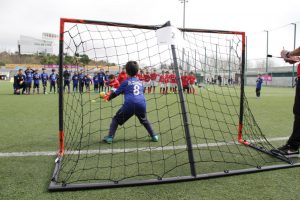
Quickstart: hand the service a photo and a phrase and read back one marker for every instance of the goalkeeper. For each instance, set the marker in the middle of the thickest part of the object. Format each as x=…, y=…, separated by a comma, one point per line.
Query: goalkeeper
x=293, y=144
x=135, y=103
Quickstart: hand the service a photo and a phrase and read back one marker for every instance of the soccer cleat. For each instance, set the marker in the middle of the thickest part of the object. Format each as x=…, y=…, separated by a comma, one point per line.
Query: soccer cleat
x=154, y=138
x=288, y=150
x=108, y=139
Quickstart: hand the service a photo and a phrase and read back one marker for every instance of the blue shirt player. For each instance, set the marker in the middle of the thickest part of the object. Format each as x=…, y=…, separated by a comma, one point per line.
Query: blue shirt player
x=75, y=80
x=135, y=103
x=101, y=77
x=96, y=82
x=44, y=79
x=28, y=81
x=53, y=79
x=259, y=82
x=81, y=78
x=36, y=81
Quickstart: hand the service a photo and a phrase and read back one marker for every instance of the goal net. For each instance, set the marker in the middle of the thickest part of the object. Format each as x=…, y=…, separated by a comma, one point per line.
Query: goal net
x=205, y=127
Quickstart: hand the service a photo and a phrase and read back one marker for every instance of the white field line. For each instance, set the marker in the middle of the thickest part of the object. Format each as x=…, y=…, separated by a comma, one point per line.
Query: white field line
x=127, y=150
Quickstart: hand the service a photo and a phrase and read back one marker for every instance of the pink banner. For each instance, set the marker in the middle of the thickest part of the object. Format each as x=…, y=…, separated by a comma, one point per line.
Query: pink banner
x=267, y=77
x=56, y=66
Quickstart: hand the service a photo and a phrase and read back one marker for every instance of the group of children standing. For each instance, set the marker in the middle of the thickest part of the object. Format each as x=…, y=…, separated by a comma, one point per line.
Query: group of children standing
x=102, y=81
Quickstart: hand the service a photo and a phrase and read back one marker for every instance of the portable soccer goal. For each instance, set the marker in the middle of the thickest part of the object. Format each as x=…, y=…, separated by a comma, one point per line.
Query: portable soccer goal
x=205, y=132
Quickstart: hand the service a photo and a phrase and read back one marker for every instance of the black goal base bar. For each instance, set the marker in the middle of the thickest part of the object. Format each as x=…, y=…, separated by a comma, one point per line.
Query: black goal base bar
x=71, y=187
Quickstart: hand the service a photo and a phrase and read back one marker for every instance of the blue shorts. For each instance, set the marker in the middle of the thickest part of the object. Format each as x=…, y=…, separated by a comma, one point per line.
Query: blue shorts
x=127, y=111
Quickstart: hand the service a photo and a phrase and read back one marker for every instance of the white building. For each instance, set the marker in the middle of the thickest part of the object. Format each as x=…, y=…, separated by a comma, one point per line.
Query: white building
x=30, y=45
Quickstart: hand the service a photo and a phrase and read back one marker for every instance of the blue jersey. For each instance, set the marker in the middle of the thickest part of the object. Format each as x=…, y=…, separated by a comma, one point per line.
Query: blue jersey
x=134, y=93
x=44, y=77
x=75, y=79
x=259, y=82
x=106, y=77
x=101, y=77
x=36, y=78
x=87, y=80
x=81, y=78
x=96, y=79
x=29, y=75
x=53, y=78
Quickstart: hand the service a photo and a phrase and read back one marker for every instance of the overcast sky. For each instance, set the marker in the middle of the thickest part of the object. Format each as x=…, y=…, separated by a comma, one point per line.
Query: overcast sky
x=32, y=17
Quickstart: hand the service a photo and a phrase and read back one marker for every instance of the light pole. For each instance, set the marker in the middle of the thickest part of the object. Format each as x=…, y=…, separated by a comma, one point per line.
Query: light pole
x=267, y=64
x=183, y=23
x=183, y=26
x=293, y=73
x=229, y=60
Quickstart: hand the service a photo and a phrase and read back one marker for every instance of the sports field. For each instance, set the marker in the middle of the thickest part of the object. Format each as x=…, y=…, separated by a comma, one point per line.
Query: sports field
x=30, y=124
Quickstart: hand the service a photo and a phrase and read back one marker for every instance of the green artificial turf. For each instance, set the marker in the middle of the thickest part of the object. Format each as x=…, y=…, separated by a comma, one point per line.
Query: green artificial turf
x=30, y=123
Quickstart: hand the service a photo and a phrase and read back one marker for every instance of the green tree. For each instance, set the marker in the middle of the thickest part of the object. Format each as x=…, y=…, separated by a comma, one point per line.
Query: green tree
x=49, y=60
x=84, y=59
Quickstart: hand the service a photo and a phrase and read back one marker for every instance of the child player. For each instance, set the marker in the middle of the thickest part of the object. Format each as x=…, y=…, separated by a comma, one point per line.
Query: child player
x=113, y=83
x=101, y=76
x=53, y=80
x=28, y=80
x=81, y=80
x=192, y=81
x=135, y=103
x=96, y=82
x=122, y=76
x=106, y=88
x=185, y=82
x=36, y=81
x=154, y=77
x=75, y=80
x=147, y=82
x=44, y=78
x=173, y=83
x=167, y=81
x=67, y=78
x=259, y=82
x=162, y=85
x=87, y=82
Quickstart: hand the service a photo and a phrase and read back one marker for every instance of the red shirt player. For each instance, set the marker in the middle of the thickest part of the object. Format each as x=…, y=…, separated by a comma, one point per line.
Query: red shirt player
x=167, y=81
x=173, y=84
x=147, y=82
x=141, y=76
x=162, y=80
x=113, y=82
x=185, y=82
x=122, y=76
x=192, y=80
x=153, y=77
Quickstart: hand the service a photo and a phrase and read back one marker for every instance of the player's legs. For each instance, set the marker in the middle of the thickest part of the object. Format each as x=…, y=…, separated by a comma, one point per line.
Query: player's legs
x=87, y=87
x=294, y=139
x=120, y=118
x=145, y=122
x=51, y=86
x=23, y=86
x=38, y=88
x=67, y=83
x=81, y=85
x=101, y=84
x=257, y=92
x=44, y=87
x=34, y=86
x=28, y=87
x=75, y=87
x=96, y=87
